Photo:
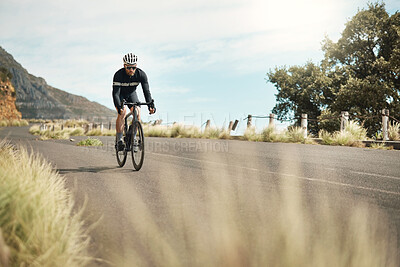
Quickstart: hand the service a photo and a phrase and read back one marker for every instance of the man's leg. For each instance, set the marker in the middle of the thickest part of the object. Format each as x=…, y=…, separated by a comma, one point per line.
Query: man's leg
x=138, y=113
x=120, y=124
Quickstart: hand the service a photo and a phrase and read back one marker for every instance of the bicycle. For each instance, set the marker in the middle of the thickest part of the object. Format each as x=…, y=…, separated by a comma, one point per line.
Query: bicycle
x=133, y=138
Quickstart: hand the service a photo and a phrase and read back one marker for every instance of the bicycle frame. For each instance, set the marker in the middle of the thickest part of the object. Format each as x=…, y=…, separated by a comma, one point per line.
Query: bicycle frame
x=135, y=115
x=132, y=132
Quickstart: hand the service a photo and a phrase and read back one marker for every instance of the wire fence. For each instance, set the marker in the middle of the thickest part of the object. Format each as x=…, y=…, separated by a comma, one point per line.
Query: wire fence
x=322, y=119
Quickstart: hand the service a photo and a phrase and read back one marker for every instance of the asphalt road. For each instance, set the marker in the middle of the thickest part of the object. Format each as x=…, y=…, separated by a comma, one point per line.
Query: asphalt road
x=176, y=170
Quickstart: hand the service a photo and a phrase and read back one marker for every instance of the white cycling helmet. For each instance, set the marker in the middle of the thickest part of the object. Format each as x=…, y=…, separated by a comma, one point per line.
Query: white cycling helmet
x=130, y=59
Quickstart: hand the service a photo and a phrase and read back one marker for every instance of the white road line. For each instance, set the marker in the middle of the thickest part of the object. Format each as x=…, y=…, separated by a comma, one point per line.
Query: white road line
x=289, y=175
x=379, y=175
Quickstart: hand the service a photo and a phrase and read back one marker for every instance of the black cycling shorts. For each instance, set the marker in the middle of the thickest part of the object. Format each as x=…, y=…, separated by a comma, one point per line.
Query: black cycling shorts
x=132, y=97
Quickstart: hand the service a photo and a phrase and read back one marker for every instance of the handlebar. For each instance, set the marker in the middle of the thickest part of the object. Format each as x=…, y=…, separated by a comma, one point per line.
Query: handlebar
x=139, y=104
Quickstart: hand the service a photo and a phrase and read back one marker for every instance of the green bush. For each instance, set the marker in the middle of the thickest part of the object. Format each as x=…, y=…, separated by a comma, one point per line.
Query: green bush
x=90, y=142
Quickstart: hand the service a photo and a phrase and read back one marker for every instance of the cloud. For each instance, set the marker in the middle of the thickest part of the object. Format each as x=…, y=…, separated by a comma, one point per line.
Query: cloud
x=171, y=90
x=78, y=45
x=201, y=100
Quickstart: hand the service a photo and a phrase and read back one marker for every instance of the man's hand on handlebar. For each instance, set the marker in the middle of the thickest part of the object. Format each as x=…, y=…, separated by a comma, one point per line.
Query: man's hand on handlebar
x=152, y=108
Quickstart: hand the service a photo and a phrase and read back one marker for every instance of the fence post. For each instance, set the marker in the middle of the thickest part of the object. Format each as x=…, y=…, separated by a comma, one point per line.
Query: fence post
x=304, y=124
x=109, y=125
x=271, y=120
x=249, y=118
x=385, y=122
x=101, y=127
x=230, y=126
x=344, y=119
x=235, y=125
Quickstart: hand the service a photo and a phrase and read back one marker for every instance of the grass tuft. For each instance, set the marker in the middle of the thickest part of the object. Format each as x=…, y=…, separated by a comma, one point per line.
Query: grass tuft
x=90, y=142
x=394, y=131
x=352, y=135
x=13, y=123
x=251, y=135
x=37, y=220
x=381, y=146
x=296, y=135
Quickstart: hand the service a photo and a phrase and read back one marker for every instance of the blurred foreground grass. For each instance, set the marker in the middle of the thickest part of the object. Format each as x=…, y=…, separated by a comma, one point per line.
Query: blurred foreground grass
x=237, y=218
x=37, y=222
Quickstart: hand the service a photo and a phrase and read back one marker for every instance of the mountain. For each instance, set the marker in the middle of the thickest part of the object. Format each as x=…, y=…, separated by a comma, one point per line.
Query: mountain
x=36, y=99
x=8, y=110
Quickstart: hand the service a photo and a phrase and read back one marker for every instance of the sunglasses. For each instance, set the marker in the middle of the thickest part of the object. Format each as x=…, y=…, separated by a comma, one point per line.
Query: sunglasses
x=130, y=67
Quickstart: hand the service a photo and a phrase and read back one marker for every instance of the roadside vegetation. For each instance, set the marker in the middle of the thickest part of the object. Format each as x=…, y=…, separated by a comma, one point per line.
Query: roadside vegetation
x=90, y=142
x=394, y=131
x=38, y=226
x=353, y=135
x=361, y=86
x=14, y=123
x=59, y=129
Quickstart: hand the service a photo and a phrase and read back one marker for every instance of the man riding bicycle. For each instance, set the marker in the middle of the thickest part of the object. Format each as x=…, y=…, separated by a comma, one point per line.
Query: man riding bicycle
x=125, y=83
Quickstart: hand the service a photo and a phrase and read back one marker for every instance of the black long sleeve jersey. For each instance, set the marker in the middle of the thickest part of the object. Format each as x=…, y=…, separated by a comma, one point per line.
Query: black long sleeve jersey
x=124, y=86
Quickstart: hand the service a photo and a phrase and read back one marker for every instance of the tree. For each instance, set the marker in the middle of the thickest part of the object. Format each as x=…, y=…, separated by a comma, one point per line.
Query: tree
x=301, y=89
x=361, y=71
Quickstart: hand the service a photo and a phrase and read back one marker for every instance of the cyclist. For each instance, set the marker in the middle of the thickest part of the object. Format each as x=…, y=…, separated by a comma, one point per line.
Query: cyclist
x=125, y=83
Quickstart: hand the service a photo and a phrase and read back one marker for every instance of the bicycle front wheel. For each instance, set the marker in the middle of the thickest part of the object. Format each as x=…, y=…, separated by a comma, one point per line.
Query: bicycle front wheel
x=137, y=146
x=121, y=154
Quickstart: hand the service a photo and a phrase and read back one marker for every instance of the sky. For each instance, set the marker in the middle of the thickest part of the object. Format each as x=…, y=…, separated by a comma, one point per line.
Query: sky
x=204, y=59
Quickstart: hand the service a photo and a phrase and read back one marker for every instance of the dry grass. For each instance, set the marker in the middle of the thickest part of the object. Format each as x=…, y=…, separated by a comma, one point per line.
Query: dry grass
x=270, y=134
x=381, y=146
x=184, y=131
x=394, y=131
x=14, y=123
x=70, y=128
x=98, y=132
x=37, y=220
x=352, y=135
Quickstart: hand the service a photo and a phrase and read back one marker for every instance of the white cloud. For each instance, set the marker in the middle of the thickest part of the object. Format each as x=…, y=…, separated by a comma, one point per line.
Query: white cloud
x=171, y=90
x=201, y=100
x=78, y=45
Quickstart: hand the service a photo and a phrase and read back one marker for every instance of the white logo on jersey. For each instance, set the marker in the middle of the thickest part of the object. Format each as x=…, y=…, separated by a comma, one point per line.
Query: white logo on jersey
x=126, y=84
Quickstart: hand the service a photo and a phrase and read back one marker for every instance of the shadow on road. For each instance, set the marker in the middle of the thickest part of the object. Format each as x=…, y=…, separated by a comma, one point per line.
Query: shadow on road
x=91, y=169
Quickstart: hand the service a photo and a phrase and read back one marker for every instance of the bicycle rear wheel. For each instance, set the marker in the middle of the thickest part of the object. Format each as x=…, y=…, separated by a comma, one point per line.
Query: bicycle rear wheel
x=121, y=155
x=137, y=146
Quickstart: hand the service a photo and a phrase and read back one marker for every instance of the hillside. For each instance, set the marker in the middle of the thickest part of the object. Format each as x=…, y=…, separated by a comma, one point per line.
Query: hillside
x=36, y=99
x=8, y=110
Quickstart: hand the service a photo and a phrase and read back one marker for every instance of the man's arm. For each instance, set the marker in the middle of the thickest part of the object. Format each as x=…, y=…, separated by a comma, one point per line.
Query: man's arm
x=145, y=86
x=115, y=93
